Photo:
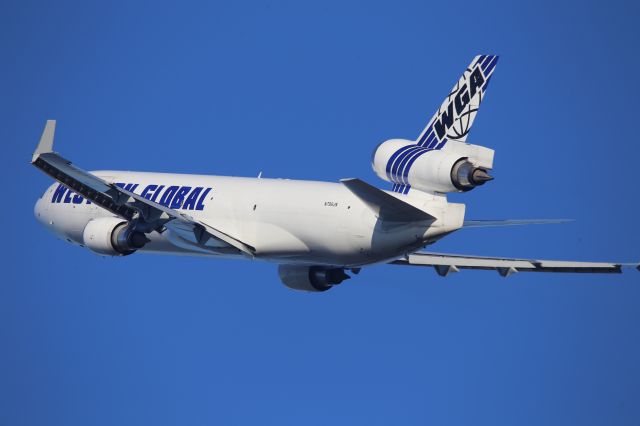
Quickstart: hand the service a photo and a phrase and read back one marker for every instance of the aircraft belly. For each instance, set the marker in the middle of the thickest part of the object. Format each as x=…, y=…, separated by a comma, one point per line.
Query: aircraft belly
x=348, y=236
x=305, y=224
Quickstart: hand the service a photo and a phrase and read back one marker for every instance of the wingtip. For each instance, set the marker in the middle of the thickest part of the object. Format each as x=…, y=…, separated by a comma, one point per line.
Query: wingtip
x=46, y=140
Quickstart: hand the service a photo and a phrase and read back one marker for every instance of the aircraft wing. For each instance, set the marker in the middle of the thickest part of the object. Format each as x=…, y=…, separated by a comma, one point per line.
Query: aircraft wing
x=444, y=264
x=148, y=215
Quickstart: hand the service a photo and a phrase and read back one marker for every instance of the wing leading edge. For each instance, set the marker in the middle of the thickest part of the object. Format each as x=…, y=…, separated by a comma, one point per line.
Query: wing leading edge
x=444, y=264
x=147, y=215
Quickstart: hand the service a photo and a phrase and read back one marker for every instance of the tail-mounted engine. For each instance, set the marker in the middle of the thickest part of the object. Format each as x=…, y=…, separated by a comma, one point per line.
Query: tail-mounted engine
x=112, y=236
x=457, y=167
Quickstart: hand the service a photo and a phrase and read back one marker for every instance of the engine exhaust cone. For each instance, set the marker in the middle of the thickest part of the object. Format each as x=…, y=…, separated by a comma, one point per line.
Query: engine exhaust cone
x=480, y=176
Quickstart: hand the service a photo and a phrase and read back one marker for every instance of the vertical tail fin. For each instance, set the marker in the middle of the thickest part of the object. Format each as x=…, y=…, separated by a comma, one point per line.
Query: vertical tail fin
x=454, y=118
x=451, y=122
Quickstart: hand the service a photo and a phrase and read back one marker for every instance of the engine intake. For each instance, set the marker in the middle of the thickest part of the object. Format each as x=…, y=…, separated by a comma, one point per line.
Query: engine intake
x=112, y=236
x=311, y=278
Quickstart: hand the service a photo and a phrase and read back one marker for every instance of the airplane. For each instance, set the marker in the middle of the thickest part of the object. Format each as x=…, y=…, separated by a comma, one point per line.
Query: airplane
x=318, y=233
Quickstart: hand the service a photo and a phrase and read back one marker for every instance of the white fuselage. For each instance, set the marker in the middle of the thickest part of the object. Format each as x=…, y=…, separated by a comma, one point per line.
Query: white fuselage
x=286, y=221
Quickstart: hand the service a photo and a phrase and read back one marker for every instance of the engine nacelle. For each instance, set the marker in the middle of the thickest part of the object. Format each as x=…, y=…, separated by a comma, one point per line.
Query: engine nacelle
x=310, y=278
x=112, y=236
x=458, y=168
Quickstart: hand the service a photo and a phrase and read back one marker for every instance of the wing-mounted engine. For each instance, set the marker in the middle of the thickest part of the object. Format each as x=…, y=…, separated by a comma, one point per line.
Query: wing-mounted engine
x=458, y=167
x=311, y=278
x=112, y=236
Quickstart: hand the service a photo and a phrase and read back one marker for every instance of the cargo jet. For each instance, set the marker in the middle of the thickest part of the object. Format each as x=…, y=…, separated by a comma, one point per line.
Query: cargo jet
x=318, y=233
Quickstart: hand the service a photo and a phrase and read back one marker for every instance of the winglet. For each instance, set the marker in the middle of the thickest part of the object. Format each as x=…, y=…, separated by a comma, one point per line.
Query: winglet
x=46, y=140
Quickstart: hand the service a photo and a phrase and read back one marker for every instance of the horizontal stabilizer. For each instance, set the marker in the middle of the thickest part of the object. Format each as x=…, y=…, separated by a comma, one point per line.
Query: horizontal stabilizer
x=385, y=205
x=512, y=222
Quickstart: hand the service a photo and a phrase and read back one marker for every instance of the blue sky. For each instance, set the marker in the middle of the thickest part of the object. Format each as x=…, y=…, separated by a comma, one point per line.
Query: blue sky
x=306, y=91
